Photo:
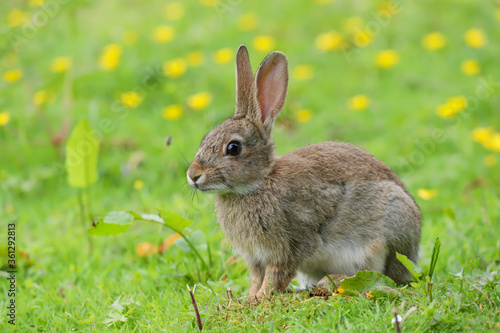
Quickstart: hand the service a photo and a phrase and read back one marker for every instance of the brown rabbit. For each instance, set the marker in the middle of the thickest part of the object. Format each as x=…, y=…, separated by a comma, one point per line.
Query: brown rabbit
x=325, y=208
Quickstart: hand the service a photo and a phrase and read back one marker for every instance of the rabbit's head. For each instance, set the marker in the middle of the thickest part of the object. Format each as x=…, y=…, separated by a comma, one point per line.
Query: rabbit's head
x=238, y=155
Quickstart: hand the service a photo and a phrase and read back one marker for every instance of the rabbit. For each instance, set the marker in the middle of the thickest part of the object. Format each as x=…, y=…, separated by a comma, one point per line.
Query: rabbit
x=326, y=208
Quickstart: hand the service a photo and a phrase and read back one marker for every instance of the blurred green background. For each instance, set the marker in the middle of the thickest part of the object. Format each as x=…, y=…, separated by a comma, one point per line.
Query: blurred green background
x=416, y=83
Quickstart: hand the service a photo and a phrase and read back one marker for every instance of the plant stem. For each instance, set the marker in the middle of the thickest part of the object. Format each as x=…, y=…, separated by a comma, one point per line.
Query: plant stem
x=198, y=318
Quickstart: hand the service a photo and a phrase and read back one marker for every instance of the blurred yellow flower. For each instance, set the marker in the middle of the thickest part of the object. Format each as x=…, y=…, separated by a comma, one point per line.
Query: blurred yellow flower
x=223, y=56
x=302, y=72
x=13, y=75
x=138, y=184
x=482, y=134
x=172, y=112
x=61, y=64
x=110, y=57
x=329, y=41
x=452, y=106
x=323, y=2
x=42, y=97
x=433, y=41
x=493, y=142
x=247, y=22
x=303, y=116
x=175, y=68
x=359, y=102
x=15, y=17
x=36, y=3
x=210, y=3
x=195, y=58
x=426, y=194
x=163, y=34
x=131, y=99
x=470, y=67
x=364, y=37
x=490, y=160
x=4, y=118
x=475, y=38
x=199, y=101
x=387, y=58
x=497, y=13
x=353, y=24
x=130, y=37
x=263, y=43
x=174, y=11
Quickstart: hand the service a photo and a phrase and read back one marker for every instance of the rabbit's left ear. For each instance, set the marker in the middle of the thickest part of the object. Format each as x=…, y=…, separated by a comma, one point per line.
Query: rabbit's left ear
x=244, y=82
x=271, y=85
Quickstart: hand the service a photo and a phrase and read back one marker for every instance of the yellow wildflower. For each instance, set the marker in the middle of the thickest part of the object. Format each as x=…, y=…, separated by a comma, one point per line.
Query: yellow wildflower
x=163, y=34
x=302, y=72
x=247, y=22
x=303, y=116
x=323, y=2
x=110, y=56
x=36, y=3
x=175, y=68
x=329, y=41
x=387, y=58
x=130, y=37
x=497, y=13
x=482, y=134
x=15, y=17
x=13, y=75
x=199, y=101
x=490, y=160
x=42, y=97
x=364, y=37
x=452, y=106
x=426, y=194
x=475, y=38
x=61, y=64
x=138, y=184
x=4, y=118
x=353, y=24
x=470, y=67
x=210, y=3
x=131, y=99
x=195, y=58
x=223, y=56
x=493, y=142
x=359, y=102
x=433, y=41
x=263, y=43
x=174, y=11
x=172, y=112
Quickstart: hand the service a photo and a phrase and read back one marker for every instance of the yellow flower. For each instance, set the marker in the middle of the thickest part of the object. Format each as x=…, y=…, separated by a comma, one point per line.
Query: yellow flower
x=426, y=194
x=303, y=116
x=247, y=22
x=364, y=37
x=482, y=134
x=175, y=68
x=174, y=11
x=497, y=13
x=387, y=58
x=199, y=101
x=13, y=75
x=110, y=57
x=195, y=58
x=493, y=142
x=359, y=102
x=263, y=43
x=475, y=38
x=353, y=24
x=36, y=3
x=172, y=112
x=42, y=97
x=163, y=34
x=131, y=99
x=130, y=37
x=61, y=64
x=470, y=67
x=323, y=2
x=210, y=3
x=433, y=41
x=4, y=118
x=15, y=17
x=302, y=72
x=452, y=106
x=490, y=160
x=329, y=41
x=138, y=184
x=223, y=56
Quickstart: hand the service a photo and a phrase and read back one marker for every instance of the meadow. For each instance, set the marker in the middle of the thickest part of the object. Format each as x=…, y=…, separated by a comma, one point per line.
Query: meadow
x=416, y=83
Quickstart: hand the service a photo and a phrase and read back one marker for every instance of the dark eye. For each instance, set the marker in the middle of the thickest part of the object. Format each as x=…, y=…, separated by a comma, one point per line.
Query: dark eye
x=233, y=148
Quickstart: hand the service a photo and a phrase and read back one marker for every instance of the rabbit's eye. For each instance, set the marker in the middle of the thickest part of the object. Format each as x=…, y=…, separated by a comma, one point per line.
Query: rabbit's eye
x=233, y=148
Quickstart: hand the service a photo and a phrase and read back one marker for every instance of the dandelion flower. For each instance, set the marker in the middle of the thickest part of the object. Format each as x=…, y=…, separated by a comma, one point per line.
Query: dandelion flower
x=175, y=68
x=13, y=75
x=131, y=99
x=475, y=38
x=490, y=160
x=15, y=17
x=174, y=11
x=263, y=43
x=363, y=37
x=470, y=67
x=43, y=97
x=359, y=102
x=387, y=59
x=210, y=3
x=138, y=184
x=4, y=118
x=452, y=106
x=426, y=194
x=303, y=116
x=110, y=57
x=36, y=3
x=497, y=13
x=172, y=112
x=195, y=58
x=329, y=41
x=493, y=142
x=163, y=34
x=353, y=24
x=323, y=2
x=247, y=22
x=130, y=37
x=482, y=134
x=199, y=101
x=223, y=56
x=61, y=64
x=433, y=41
x=302, y=72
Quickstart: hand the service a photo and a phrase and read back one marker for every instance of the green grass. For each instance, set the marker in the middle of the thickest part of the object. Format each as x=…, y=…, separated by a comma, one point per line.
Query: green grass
x=70, y=281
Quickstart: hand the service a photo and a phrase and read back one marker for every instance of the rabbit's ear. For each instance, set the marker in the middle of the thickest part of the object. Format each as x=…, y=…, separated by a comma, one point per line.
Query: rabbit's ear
x=244, y=82
x=271, y=84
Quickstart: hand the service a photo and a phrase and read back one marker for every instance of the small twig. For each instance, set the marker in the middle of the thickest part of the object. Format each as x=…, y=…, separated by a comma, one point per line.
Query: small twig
x=198, y=318
x=482, y=292
x=408, y=313
x=396, y=321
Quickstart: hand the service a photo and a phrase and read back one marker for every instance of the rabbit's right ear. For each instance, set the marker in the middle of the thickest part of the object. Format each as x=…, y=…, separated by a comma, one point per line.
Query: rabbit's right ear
x=244, y=83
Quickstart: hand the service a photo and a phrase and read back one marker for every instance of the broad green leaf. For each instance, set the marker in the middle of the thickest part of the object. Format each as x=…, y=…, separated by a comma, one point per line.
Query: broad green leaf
x=82, y=150
x=197, y=239
x=384, y=292
x=365, y=281
x=435, y=255
x=410, y=266
x=174, y=221
x=114, y=223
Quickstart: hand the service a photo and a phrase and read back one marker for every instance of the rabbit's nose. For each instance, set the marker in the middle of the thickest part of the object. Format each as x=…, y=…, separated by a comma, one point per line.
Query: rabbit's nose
x=195, y=174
